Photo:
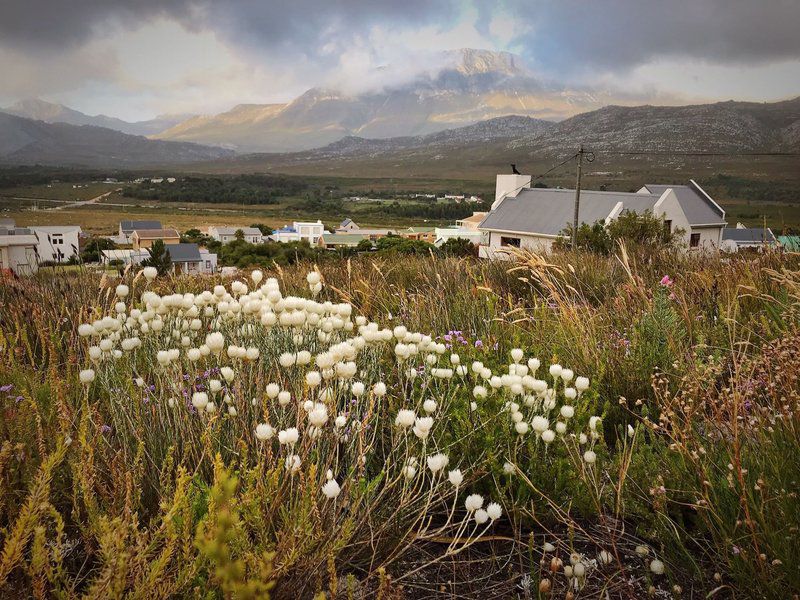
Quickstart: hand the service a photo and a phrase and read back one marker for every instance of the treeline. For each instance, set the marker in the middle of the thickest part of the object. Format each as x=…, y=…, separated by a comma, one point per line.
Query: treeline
x=39, y=175
x=440, y=211
x=239, y=189
x=740, y=188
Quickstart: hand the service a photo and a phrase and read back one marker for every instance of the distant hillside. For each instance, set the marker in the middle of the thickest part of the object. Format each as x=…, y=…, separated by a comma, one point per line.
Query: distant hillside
x=25, y=141
x=723, y=127
x=39, y=110
x=720, y=127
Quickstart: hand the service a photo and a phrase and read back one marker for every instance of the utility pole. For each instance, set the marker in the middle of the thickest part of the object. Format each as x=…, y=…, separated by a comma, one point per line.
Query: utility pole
x=577, y=200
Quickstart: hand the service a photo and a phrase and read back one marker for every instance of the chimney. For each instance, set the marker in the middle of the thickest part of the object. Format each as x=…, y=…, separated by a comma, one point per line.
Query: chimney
x=508, y=186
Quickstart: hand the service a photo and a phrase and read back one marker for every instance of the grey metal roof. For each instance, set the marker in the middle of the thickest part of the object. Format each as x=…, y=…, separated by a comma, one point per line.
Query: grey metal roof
x=548, y=211
x=696, y=207
x=15, y=231
x=748, y=235
x=182, y=253
x=233, y=230
x=131, y=225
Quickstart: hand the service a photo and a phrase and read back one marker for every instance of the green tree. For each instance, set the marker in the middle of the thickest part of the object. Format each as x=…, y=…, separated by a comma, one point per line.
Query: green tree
x=458, y=247
x=264, y=229
x=159, y=258
x=94, y=248
x=364, y=245
x=239, y=235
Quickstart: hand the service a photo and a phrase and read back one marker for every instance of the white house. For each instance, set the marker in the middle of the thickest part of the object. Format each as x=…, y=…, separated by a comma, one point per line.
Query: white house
x=447, y=233
x=57, y=243
x=125, y=257
x=739, y=237
x=252, y=235
x=706, y=218
x=189, y=259
x=300, y=231
x=18, y=250
x=309, y=231
x=533, y=218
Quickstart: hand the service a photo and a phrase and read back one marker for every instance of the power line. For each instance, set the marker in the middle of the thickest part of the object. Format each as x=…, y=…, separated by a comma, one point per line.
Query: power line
x=668, y=153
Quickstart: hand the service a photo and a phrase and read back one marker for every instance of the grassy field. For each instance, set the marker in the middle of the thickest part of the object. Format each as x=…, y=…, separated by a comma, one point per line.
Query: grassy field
x=762, y=187
x=574, y=426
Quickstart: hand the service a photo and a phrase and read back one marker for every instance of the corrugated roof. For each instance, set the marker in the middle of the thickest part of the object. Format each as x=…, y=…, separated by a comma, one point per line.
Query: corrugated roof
x=233, y=230
x=790, y=242
x=180, y=253
x=155, y=234
x=548, y=211
x=343, y=239
x=696, y=207
x=748, y=235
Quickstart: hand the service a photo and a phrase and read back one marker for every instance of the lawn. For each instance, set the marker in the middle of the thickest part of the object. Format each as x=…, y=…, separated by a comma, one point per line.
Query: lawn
x=405, y=427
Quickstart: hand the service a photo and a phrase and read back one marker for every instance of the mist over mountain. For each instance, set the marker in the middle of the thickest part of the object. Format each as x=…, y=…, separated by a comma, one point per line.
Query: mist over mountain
x=27, y=142
x=39, y=110
x=467, y=87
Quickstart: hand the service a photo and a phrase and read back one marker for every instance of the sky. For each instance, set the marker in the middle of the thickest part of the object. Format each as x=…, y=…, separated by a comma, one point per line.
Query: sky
x=135, y=59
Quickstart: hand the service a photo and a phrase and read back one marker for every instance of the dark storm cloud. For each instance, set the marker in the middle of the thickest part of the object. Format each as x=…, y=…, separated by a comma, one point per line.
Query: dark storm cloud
x=563, y=34
x=618, y=34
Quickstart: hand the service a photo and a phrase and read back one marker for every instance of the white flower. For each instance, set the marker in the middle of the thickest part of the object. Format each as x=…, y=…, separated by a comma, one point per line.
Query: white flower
x=379, y=389
x=534, y=364
x=521, y=427
x=313, y=378
x=555, y=370
x=272, y=390
x=256, y=276
x=150, y=273
x=284, y=397
x=409, y=471
x=86, y=376
x=455, y=477
x=429, y=406
x=642, y=551
x=473, y=406
x=567, y=411
x=264, y=431
x=473, y=502
x=567, y=375
x=582, y=439
x=494, y=511
x=331, y=489
x=548, y=436
x=199, y=400
x=570, y=393
x=214, y=385
x=437, y=462
x=581, y=383
x=517, y=354
x=508, y=468
x=405, y=418
x=422, y=427
x=313, y=278
x=548, y=547
x=293, y=463
x=85, y=330
x=539, y=423
x=594, y=422
x=288, y=436
x=340, y=421
x=561, y=427
x=357, y=388
x=318, y=416
x=656, y=567
x=481, y=516
x=631, y=431
x=589, y=457
x=139, y=382
x=604, y=557
x=227, y=373
x=479, y=391
x=122, y=290
x=193, y=354
x=579, y=570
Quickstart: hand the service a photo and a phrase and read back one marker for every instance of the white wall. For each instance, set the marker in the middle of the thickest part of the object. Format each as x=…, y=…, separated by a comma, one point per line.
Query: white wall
x=57, y=244
x=310, y=232
x=20, y=258
x=509, y=186
x=491, y=244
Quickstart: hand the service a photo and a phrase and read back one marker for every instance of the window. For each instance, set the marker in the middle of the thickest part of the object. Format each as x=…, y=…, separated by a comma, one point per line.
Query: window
x=694, y=240
x=509, y=241
x=667, y=226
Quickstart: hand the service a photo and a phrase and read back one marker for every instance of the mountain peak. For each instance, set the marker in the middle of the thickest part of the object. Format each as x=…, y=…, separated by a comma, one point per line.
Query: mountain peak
x=473, y=61
x=38, y=109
